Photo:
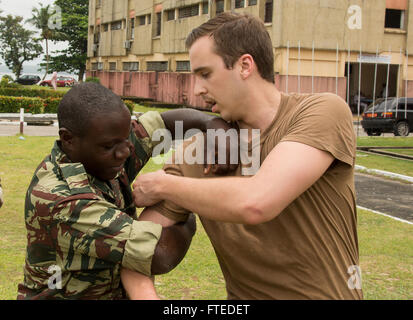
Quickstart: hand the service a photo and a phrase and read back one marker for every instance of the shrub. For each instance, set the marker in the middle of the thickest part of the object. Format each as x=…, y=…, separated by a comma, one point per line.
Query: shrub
x=130, y=105
x=92, y=79
x=5, y=81
x=13, y=104
x=25, y=92
x=51, y=104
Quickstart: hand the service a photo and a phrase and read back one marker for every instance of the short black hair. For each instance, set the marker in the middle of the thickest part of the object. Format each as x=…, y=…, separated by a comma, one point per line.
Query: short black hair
x=82, y=103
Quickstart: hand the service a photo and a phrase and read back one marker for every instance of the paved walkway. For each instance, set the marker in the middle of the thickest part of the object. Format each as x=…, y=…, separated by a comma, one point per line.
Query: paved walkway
x=386, y=196
x=13, y=128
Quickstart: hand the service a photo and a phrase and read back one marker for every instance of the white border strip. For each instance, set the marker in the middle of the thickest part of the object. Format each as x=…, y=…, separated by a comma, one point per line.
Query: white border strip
x=385, y=173
x=386, y=215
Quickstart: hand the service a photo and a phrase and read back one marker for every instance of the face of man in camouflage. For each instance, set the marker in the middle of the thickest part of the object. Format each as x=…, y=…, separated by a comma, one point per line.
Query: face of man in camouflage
x=104, y=148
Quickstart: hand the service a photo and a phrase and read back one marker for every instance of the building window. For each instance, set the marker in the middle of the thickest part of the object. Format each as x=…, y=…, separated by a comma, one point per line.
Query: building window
x=96, y=37
x=220, y=6
x=105, y=27
x=170, y=15
x=268, y=11
x=131, y=31
x=239, y=4
x=205, y=8
x=97, y=66
x=189, y=11
x=98, y=3
x=183, y=66
x=394, y=19
x=131, y=66
x=117, y=25
x=112, y=66
x=141, y=20
x=158, y=24
x=252, y=2
x=149, y=19
x=157, y=66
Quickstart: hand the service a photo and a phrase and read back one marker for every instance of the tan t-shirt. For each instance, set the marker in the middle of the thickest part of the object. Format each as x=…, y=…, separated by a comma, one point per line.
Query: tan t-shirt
x=307, y=251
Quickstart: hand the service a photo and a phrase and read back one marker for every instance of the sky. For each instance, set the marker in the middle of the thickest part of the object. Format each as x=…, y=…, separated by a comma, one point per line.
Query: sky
x=24, y=8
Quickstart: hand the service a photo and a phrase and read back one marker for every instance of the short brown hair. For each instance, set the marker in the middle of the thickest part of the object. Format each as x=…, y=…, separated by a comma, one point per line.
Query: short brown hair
x=236, y=34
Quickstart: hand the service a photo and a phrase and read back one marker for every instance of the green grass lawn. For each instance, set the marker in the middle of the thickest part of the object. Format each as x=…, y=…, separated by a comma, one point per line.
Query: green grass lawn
x=372, y=161
x=386, y=245
x=385, y=142
x=407, y=152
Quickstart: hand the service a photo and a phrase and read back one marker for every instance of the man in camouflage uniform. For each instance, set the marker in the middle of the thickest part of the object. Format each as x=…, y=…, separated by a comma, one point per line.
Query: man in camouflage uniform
x=82, y=227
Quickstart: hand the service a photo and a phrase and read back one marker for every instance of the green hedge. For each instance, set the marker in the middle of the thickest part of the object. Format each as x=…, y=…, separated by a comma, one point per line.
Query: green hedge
x=25, y=92
x=37, y=105
x=13, y=104
x=51, y=104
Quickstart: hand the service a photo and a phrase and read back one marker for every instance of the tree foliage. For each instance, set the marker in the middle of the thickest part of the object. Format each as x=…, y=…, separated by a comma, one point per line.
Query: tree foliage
x=18, y=44
x=74, y=30
x=41, y=20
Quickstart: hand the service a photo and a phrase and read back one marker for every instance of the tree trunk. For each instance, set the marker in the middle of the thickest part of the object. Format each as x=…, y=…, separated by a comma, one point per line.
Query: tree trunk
x=47, y=59
x=81, y=74
x=18, y=70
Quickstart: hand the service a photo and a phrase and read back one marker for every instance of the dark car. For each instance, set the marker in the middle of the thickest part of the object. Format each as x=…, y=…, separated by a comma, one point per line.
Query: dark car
x=28, y=79
x=391, y=115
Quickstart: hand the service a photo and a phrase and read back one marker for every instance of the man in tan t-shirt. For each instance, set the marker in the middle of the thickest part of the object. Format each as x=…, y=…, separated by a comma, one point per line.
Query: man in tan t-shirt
x=289, y=230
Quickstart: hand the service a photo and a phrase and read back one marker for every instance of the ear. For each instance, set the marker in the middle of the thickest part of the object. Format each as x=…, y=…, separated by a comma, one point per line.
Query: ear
x=246, y=62
x=67, y=139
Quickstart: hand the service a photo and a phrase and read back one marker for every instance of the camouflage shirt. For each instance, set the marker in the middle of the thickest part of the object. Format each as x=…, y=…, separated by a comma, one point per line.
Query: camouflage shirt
x=81, y=231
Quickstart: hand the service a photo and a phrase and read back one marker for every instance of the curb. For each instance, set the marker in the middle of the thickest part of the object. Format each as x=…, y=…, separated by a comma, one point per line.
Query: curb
x=385, y=173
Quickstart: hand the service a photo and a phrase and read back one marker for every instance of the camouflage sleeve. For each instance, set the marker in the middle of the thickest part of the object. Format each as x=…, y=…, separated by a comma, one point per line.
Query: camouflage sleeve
x=141, y=139
x=92, y=234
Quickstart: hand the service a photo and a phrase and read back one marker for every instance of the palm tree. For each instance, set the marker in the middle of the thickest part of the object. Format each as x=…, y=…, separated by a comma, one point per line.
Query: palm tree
x=40, y=19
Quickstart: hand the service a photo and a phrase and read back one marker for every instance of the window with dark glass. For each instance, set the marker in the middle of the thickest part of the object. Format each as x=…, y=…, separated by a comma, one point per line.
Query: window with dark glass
x=170, y=15
x=158, y=24
x=149, y=19
x=131, y=66
x=252, y=2
x=112, y=66
x=117, y=25
x=157, y=66
x=239, y=4
x=96, y=37
x=141, y=20
x=394, y=19
x=220, y=6
x=268, y=11
x=131, y=30
x=183, y=66
x=189, y=11
x=205, y=8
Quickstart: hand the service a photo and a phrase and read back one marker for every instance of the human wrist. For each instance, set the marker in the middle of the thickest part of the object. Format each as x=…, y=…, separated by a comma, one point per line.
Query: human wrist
x=163, y=185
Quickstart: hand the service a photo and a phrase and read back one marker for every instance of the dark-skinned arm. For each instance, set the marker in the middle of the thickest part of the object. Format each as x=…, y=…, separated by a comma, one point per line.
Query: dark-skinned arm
x=191, y=119
x=200, y=120
x=171, y=248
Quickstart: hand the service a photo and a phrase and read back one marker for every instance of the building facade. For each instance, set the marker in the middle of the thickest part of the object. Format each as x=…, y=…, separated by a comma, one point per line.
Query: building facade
x=349, y=47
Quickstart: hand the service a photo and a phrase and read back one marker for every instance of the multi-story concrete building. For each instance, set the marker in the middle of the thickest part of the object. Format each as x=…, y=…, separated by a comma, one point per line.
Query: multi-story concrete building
x=137, y=47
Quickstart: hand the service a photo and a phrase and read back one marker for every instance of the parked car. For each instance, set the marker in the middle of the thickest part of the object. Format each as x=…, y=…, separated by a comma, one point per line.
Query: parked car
x=389, y=115
x=28, y=79
x=61, y=82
